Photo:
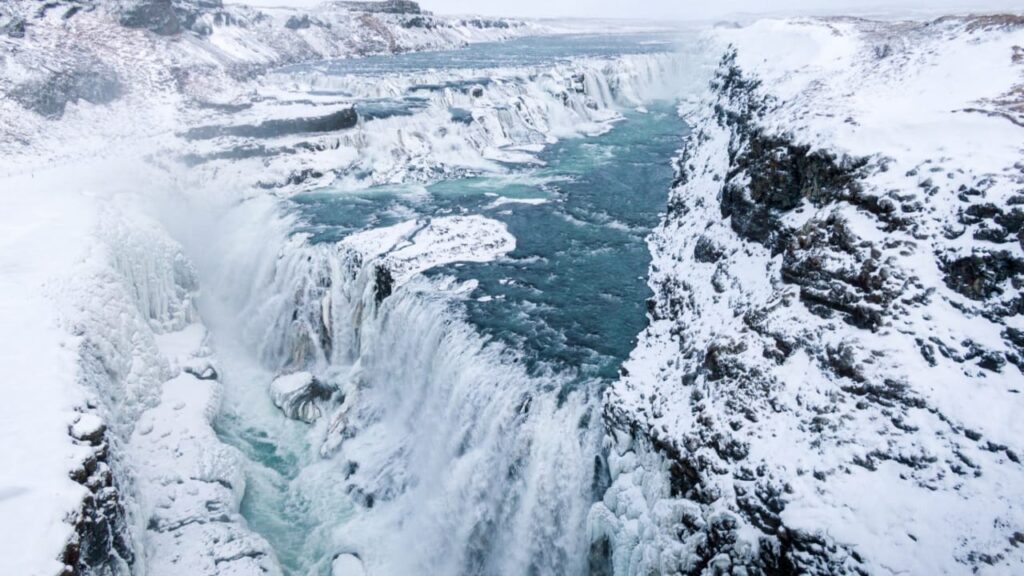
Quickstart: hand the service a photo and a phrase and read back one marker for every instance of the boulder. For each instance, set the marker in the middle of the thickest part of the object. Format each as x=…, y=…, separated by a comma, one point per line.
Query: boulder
x=298, y=395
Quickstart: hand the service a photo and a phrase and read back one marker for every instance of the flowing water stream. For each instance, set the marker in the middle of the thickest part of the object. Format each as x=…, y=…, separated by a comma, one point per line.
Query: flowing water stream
x=468, y=437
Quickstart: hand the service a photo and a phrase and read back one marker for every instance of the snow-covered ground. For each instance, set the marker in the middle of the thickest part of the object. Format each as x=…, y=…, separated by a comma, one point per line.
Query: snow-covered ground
x=832, y=379
x=88, y=283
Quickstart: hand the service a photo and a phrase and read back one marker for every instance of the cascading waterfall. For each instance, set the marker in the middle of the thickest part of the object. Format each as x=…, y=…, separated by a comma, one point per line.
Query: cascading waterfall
x=433, y=448
x=505, y=111
x=462, y=462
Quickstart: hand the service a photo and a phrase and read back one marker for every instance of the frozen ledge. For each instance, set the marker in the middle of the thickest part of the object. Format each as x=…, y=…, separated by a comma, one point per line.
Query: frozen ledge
x=411, y=247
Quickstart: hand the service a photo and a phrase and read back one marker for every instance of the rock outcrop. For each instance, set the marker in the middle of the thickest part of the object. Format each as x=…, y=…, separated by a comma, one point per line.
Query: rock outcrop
x=102, y=543
x=299, y=394
x=169, y=17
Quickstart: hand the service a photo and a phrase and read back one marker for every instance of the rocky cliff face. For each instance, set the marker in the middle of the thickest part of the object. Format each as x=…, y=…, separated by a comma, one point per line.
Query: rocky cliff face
x=832, y=374
x=101, y=543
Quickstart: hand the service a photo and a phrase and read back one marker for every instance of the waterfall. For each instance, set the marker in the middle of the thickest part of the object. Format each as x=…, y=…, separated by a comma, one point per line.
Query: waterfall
x=503, y=112
x=432, y=448
x=456, y=460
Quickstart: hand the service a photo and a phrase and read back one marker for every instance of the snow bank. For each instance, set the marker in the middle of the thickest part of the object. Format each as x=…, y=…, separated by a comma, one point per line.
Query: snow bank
x=42, y=397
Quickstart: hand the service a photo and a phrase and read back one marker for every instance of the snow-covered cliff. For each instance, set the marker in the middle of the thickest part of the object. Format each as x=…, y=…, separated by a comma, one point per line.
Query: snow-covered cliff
x=832, y=378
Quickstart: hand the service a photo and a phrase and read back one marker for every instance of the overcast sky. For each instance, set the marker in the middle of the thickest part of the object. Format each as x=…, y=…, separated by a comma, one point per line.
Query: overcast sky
x=682, y=9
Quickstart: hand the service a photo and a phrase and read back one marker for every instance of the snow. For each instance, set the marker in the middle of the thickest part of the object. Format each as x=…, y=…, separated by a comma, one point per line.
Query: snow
x=41, y=396
x=415, y=246
x=504, y=200
x=87, y=425
x=190, y=483
x=290, y=383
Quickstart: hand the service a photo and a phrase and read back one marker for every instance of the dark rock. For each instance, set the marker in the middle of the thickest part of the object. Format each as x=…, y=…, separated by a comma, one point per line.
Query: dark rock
x=299, y=396
x=992, y=361
x=887, y=393
x=92, y=82
x=419, y=22
x=1014, y=339
x=384, y=283
x=981, y=275
x=461, y=116
x=993, y=224
x=600, y=558
x=169, y=17
x=383, y=7
x=298, y=22
x=339, y=120
x=294, y=179
x=839, y=274
x=707, y=250
x=15, y=28
x=485, y=23
x=93, y=436
x=843, y=362
x=772, y=176
x=157, y=16
x=206, y=372
x=101, y=543
x=719, y=362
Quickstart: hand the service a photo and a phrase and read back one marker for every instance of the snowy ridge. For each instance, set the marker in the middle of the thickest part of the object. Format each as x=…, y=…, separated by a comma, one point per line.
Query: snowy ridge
x=114, y=303
x=831, y=380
